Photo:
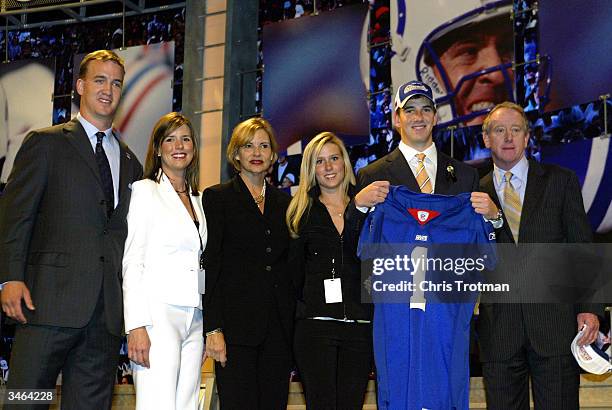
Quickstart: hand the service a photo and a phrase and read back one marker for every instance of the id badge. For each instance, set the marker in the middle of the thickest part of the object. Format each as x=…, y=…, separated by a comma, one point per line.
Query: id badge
x=201, y=277
x=333, y=290
x=201, y=282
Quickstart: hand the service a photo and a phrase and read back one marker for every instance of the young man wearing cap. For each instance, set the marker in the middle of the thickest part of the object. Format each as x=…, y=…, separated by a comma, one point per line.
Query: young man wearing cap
x=419, y=166
x=541, y=204
x=415, y=118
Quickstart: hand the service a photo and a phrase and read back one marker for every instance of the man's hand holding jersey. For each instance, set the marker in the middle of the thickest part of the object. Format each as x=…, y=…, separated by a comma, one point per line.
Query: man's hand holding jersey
x=373, y=194
x=484, y=205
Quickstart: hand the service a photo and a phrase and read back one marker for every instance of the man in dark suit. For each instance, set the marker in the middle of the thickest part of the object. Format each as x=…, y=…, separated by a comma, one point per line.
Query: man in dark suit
x=62, y=231
x=542, y=204
x=415, y=118
x=284, y=166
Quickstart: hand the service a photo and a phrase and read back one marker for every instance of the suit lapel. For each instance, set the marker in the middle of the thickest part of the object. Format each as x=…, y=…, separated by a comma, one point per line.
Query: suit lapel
x=400, y=172
x=197, y=207
x=271, y=203
x=244, y=196
x=536, y=183
x=78, y=139
x=124, y=170
x=179, y=212
x=442, y=185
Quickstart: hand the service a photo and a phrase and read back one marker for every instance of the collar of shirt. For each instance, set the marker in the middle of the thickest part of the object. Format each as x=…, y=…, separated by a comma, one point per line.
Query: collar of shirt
x=431, y=160
x=519, y=178
x=281, y=169
x=91, y=130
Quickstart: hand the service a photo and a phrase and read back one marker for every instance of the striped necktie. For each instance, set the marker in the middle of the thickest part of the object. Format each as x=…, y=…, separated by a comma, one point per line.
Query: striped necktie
x=512, y=206
x=421, y=175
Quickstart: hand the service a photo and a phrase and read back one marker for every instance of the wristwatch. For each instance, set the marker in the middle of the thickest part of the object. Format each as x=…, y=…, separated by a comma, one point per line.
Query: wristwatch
x=212, y=332
x=498, y=216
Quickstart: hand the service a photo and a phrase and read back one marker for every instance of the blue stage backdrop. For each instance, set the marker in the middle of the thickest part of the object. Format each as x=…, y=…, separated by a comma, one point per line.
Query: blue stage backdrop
x=311, y=80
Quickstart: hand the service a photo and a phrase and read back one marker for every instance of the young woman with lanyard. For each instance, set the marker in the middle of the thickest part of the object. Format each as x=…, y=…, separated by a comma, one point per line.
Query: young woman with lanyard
x=333, y=335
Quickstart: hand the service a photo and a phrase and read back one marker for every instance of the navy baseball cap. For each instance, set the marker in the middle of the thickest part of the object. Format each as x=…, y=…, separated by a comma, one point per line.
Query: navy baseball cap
x=412, y=89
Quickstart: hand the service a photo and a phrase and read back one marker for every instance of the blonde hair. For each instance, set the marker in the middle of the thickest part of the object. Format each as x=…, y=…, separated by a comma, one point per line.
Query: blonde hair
x=486, y=124
x=164, y=127
x=243, y=133
x=302, y=202
x=100, y=55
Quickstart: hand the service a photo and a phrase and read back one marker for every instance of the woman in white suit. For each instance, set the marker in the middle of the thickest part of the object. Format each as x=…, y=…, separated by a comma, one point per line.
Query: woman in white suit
x=163, y=279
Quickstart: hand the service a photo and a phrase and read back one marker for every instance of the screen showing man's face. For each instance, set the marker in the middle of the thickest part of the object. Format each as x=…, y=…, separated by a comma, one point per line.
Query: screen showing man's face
x=471, y=49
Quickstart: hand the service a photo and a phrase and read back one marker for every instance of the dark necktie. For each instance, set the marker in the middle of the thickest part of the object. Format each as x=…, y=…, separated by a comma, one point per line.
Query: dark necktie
x=105, y=174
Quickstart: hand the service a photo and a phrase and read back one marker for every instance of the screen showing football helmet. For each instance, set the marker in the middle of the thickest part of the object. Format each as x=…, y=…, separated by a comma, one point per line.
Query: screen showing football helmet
x=463, y=49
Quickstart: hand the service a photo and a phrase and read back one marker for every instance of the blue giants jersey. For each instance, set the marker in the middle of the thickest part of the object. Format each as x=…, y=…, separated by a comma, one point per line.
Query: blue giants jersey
x=422, y=349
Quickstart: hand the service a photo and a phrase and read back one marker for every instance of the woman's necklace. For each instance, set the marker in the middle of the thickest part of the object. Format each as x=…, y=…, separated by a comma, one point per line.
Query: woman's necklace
x=257, y=198
x=260, y=198
x=333, y=210
x=179, y=191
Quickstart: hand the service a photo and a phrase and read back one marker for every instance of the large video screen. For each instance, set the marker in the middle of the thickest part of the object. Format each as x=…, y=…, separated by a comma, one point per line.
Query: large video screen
x=312, y=80
x=576, y=36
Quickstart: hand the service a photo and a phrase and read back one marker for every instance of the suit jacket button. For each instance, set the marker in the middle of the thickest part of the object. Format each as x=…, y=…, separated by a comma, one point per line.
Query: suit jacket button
x=268, y=249
x=268, y=232
x=268, y=268
x=105, y=232
x=101, y=258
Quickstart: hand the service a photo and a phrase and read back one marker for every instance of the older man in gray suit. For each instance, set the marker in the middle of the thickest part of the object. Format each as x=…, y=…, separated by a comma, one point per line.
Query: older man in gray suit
x=62, y=231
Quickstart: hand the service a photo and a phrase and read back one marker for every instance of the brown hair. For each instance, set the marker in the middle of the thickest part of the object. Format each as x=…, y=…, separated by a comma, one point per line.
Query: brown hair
x=164, y=127
x=100, y=55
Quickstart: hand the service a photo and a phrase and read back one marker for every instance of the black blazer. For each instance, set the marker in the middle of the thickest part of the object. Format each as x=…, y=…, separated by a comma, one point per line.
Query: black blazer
x=247, y=277
x=54, y=232
x=552, y=212
x=313, y=255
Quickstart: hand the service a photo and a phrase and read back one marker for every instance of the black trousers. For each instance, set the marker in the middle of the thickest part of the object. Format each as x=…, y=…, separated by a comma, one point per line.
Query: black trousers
x=87, y=358
x=256, y=377
x=334, y=360
x=555, y=381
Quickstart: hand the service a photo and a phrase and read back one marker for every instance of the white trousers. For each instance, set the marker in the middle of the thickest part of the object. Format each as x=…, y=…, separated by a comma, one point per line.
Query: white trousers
x=177, y=342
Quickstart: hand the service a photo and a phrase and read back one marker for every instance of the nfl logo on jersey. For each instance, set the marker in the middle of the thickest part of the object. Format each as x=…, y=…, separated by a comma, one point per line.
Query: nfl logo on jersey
x=423, y=215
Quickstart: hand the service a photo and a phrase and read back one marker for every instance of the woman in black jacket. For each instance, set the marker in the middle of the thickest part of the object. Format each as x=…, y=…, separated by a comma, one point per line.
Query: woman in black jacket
x=248, y=302
x=333, y=335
